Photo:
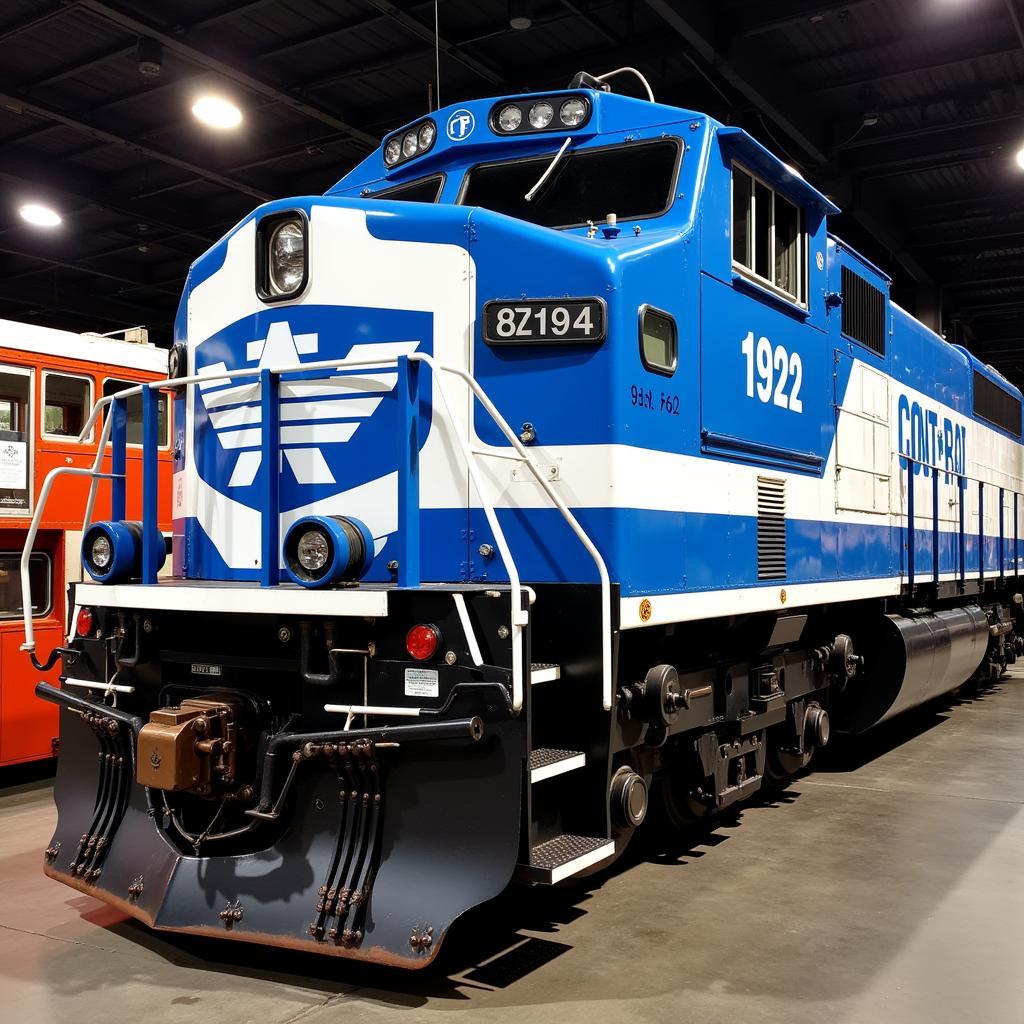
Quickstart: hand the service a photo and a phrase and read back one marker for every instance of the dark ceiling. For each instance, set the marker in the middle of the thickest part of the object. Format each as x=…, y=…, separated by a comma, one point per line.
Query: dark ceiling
x=908, y=114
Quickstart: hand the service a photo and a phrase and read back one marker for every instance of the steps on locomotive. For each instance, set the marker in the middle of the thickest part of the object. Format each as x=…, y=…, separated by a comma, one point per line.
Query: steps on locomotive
x=544, y=672
x=560, y=842
x=562, y=857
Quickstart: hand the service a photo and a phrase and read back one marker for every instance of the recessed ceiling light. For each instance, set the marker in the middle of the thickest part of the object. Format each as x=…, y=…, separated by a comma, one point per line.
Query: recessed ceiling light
x=1020, y=157
x=217, y=112
x=40, y=216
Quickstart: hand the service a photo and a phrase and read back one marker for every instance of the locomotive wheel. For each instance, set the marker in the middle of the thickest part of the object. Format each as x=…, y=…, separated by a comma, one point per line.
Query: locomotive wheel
x=679, y=808
x=781, y=766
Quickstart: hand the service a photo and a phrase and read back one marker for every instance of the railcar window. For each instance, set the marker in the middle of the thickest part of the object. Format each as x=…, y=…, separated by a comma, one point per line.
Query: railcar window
x=997, y=406
x=134, y=431
x=40, y=572
x=632, y=181
x=66, y=403
x=768, y=236
x=424, y=190
x=15, y=449
x=659, y=342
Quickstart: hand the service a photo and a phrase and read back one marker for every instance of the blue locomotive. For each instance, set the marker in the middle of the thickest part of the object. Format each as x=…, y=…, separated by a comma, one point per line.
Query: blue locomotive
x=555, y=465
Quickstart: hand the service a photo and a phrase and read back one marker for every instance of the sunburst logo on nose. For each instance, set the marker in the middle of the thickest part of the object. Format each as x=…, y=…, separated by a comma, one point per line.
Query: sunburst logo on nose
x=314, y=413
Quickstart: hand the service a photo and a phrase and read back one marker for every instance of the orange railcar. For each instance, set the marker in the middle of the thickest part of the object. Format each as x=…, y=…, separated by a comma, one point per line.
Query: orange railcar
x=49, y=381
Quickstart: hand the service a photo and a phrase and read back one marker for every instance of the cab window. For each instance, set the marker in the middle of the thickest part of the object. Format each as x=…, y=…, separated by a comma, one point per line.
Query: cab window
x=768, y=237
x=67, y=402
x=633, y=181
x=134, y=430
x=423, y=190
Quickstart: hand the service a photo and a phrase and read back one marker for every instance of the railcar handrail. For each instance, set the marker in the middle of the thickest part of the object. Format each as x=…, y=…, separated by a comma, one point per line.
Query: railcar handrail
x=906, y=464
x=407, y=392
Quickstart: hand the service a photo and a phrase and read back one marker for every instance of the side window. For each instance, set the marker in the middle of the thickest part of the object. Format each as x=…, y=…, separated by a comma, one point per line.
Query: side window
x=15, y=442
x=40, y=571
x=659, y=342
x=768, y=238
x=111, y=387
x=67, y=402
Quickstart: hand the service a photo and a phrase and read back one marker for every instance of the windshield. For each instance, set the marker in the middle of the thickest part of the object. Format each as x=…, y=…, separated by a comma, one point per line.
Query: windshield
x=423, y=190
x=628, y=180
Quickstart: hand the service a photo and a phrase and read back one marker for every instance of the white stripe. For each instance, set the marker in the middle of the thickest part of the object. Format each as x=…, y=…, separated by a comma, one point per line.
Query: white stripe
x=243, y=598
x=352, y=384
x=232, y=396
x=309, y=466
x=467, y=628
x=245, y=470
x=308, y=433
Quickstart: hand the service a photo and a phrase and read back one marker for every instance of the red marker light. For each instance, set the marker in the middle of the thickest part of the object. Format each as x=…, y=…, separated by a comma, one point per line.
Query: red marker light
x=83, y=624
x=423, y=641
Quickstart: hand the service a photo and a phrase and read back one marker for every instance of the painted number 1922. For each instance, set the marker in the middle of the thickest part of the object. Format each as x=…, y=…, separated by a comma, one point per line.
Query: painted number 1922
x=773, y=374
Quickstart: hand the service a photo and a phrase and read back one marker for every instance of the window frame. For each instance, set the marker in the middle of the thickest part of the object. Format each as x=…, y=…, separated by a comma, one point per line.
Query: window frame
x=66, y=438
x=48, y=607
x=29, y=373
x=162, y=445
x=387, y=193
x=662, y=371
x=673, y=181
x=747, y=272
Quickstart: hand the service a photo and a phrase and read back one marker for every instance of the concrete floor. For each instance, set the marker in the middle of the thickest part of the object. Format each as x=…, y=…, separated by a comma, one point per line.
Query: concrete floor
x=885, y=887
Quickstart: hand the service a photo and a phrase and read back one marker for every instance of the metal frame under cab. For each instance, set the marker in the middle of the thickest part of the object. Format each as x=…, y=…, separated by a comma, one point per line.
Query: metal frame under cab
x=407, y=393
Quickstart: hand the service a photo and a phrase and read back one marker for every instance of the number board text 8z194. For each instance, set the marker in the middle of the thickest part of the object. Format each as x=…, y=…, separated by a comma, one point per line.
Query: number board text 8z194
x=544, y=321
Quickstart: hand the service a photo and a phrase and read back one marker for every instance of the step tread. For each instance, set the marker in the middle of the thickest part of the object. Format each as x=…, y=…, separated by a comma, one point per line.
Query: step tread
x=565, y=855
x=547, y=761
x=544, y=672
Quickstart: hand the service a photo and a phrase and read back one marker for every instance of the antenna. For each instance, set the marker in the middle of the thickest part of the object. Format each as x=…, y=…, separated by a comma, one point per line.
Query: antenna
x=437, y=55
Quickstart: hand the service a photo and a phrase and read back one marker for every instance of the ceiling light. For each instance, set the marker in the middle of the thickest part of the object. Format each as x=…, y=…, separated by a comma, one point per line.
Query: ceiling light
x=40, y=216
x=217, y=112
x=1020, y=158
x=520, y=14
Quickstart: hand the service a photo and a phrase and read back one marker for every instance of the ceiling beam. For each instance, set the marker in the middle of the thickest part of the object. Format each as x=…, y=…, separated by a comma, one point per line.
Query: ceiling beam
x=111, y=271
x=207, y=59
x=416, y=27
x=744, y=71
x=48, y=113
x=33, y=21
x=1015, y=20
x=45, y=179
x=91, y=307
x=797, y=14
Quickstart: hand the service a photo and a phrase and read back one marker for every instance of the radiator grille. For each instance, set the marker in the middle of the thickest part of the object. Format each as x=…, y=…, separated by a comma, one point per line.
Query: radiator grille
x=863, y=312
x=994, y=404
x=771, y=528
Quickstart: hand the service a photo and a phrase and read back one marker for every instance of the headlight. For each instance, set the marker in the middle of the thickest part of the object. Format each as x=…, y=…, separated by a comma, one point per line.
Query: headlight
x=510, y=118
x=573, y=112
x=425, y=136
x=281, y=244
x=112, y=551
x=541, y=114
x=101, y=552
x=312, y=550
x=413, y=141
x=287, y=257
x=320, y=550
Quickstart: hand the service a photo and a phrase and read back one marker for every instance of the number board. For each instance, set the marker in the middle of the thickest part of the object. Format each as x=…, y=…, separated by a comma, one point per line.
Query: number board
x=544, y=321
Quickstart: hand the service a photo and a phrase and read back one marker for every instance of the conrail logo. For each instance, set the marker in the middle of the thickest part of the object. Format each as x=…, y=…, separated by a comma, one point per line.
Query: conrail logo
x=938, y=443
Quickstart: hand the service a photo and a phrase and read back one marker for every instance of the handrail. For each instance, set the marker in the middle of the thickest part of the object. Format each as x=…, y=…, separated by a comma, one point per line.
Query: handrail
x=520, y=614
x=907, y=463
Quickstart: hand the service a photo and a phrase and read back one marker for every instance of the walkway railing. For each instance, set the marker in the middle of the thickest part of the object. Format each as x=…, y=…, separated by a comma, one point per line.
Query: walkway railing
x=407, y=394
x=957, y=565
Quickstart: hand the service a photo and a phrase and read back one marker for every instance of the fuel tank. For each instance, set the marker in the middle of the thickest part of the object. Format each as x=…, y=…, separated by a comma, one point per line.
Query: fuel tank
x=910, y=659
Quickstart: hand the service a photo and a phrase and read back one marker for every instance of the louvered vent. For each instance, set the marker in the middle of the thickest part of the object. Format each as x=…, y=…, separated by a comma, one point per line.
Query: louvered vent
x=771, y=528
x=863, y=311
